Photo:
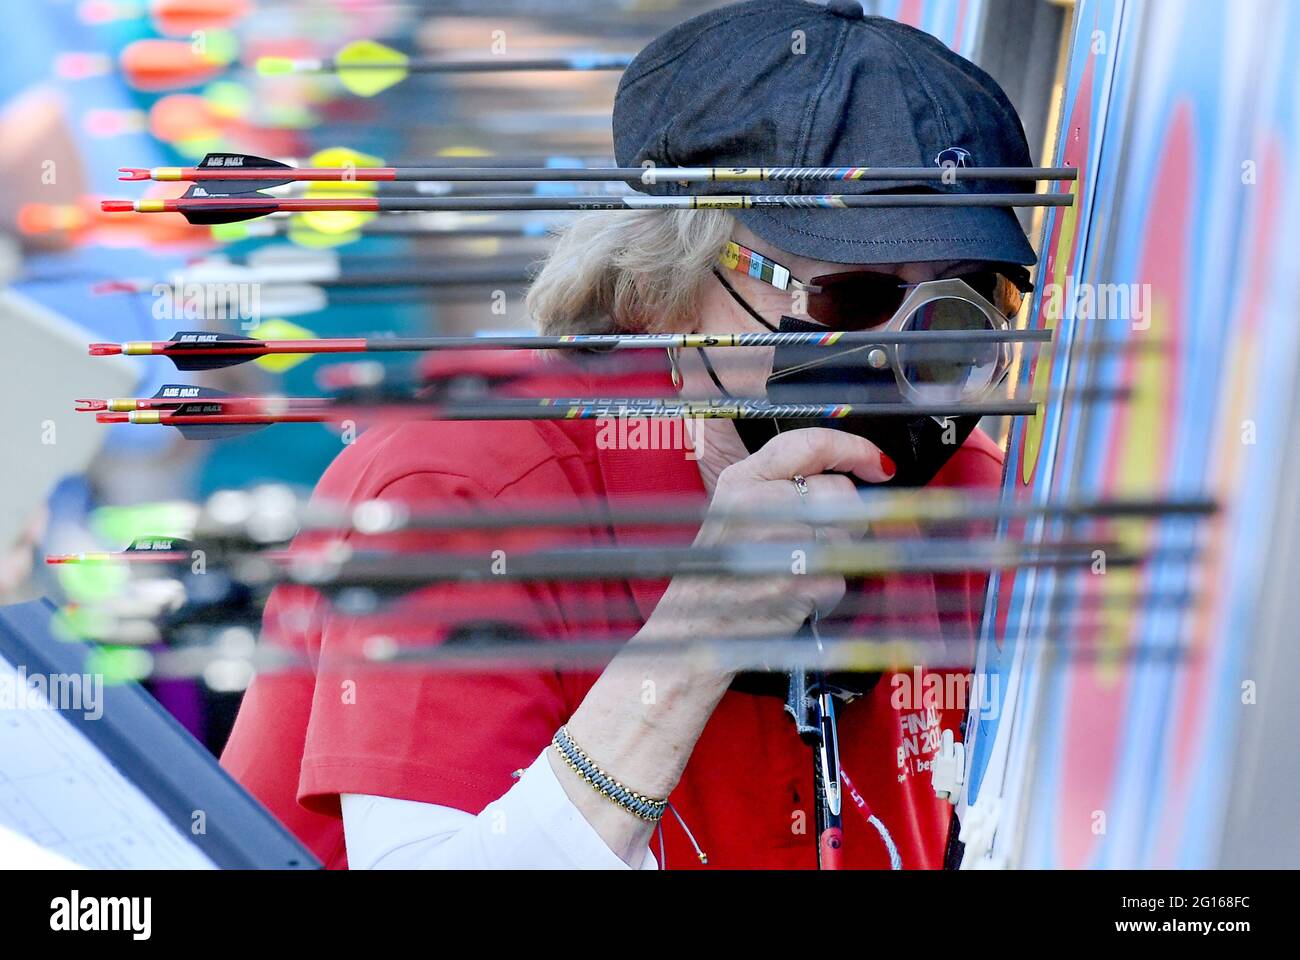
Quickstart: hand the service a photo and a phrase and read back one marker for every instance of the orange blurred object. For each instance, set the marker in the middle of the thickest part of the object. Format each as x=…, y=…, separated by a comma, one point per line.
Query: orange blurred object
x=84, y=222
x=189, y=119
x=155, y=66
x=34, y=219
x=173, y=18
x=180, y=18
x=184, y=116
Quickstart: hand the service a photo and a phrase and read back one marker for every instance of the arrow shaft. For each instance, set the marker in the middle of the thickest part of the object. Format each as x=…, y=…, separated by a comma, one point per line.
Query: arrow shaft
x=599, y=342
x=260, y=206
x=881, y=508
x=283, y=411
x=433, y=277
x=647, y=175
x=497, y=65
x=249, y=405
x=744, y=561
x=868, y=654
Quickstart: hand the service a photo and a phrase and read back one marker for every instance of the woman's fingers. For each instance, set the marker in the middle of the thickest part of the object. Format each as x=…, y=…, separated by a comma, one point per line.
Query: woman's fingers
x=825, y=491
x=743, y=487
x=825, y=488
x=815, y=450
x=765, y=481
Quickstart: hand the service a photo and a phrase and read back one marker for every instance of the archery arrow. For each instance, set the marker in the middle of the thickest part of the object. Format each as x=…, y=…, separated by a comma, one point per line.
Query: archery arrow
x=366, y=67
x=880, y=510
x=203, y=205
x=141, y=550
x=339, y=568
x=880, y=507
x=487, y=646
x=218, y=271
x=432, y=225
x=200, y=350
x=198, y=294
x=216, y=417
x=180, y=396
x=228, y=167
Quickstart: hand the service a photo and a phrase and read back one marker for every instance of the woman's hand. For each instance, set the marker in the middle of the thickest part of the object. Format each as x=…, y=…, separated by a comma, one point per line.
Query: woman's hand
x=641, y=718
x=702, y=607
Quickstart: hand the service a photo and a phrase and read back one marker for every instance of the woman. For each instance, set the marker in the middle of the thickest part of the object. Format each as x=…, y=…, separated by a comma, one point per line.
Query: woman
x=437, y=769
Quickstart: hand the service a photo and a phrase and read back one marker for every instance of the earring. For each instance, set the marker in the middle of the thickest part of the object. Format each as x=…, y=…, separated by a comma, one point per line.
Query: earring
x=676, y=370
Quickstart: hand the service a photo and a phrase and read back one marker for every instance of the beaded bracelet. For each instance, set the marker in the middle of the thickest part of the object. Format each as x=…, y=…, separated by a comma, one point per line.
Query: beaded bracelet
x=644, y=807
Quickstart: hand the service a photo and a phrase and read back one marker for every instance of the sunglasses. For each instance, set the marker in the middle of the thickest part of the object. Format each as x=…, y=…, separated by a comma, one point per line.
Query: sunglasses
x=864, y=299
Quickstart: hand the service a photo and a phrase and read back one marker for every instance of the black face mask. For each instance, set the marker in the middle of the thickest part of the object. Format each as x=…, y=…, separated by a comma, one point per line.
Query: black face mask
x=919, y=446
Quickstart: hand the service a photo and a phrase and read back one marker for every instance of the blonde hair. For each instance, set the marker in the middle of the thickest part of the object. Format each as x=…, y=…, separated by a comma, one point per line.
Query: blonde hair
x=638, y=271
x=643, y=271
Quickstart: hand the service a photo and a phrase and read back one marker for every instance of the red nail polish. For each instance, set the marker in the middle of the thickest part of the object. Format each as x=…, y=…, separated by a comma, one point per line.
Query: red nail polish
x=887, y=464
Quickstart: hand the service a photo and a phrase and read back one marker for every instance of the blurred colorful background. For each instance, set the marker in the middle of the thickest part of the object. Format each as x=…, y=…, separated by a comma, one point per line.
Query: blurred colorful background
x=1180, y=114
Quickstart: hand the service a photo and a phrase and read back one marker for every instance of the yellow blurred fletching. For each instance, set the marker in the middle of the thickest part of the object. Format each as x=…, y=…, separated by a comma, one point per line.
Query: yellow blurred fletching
x=369, y=60
x=227, y=99
x=304, y=235
x=124, y=524
x=336, y=221
x=350, y=160
x=92, y=582
x=274, y=66
x=291, y=115
x=343, y=157
x=120, y=664
x=277, y=329
x=340, y=188
x=465, y=152
x=199, y=145
x=229, y=232
x=219, y=47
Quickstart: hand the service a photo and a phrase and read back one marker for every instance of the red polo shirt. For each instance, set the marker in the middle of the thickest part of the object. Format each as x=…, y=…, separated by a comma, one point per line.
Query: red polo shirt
x=454, y=738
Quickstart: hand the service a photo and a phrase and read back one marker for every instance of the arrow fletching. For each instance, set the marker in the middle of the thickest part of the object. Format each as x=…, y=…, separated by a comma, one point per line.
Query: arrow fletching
x=213, y=211
x=194, y=342
x=242, y=161
x=159, y=545
x=207, y=404
x=364, y=67
x=367, y=68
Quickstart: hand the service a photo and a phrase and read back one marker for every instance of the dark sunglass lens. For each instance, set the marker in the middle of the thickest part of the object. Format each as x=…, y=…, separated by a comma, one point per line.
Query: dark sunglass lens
x=855, y=301
x=984, y=283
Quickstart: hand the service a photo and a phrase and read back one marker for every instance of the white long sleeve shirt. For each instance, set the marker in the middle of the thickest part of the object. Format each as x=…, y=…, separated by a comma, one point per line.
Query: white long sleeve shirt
x=533, y=826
